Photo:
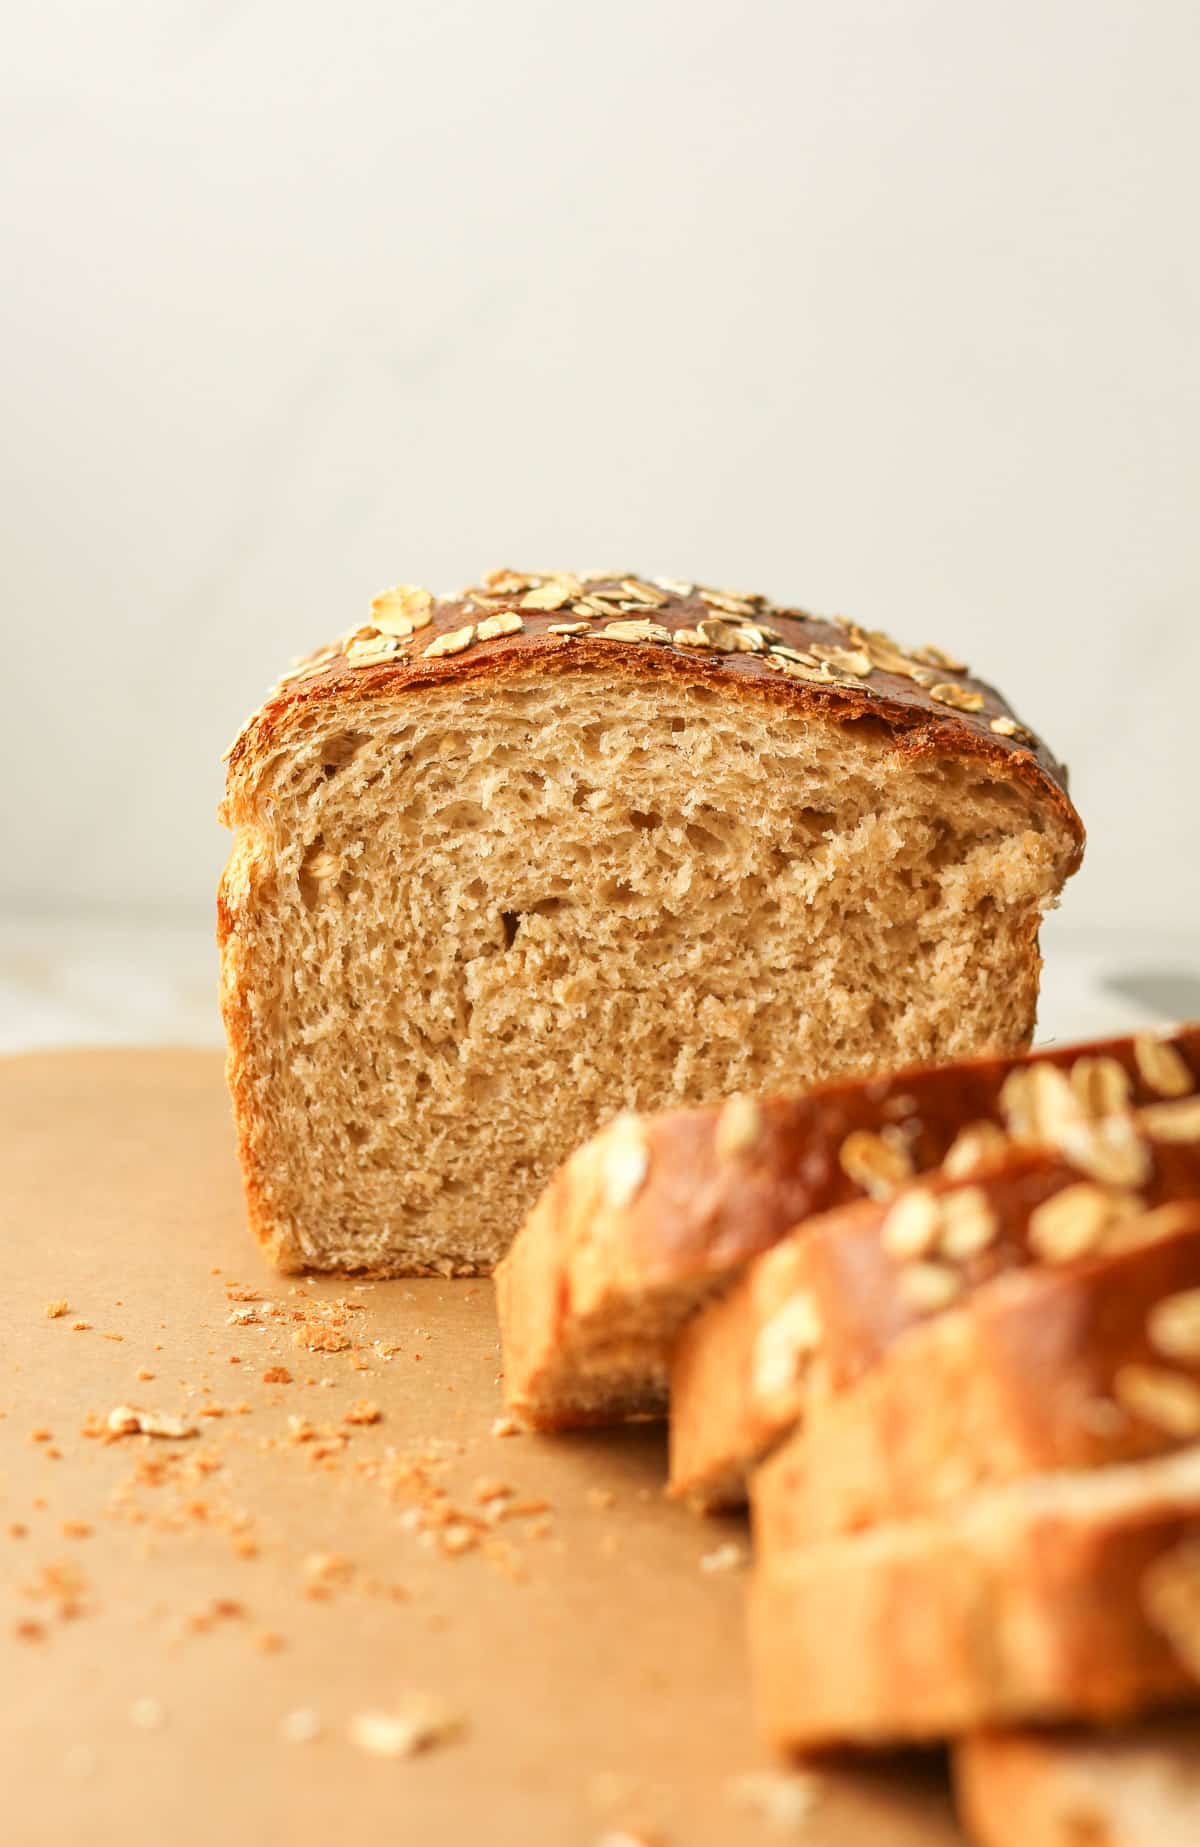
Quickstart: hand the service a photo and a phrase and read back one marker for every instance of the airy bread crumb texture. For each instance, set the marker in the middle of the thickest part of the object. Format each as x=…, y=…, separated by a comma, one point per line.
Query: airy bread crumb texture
x=462, y=934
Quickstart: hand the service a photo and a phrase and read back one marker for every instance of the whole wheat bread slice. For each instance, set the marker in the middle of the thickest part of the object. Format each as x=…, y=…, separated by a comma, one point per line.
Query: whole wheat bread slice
x=1063, y=1596
x=1073, y=1366
x=658, y=1215
x=1123, y=1786
x=839, y=1290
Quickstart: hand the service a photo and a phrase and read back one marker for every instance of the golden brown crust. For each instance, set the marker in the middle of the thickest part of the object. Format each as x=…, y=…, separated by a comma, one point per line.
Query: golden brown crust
x=916, y=714
x=1026, y=1606
x=721, y=1424
x=1029, y=1377
x=701, y=1212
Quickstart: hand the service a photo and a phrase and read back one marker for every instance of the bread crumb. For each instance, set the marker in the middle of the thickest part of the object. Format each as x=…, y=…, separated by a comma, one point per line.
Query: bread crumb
x=324, y=1570
x=77, y=1529
x=319, y=1338
x=17, y=1529
x=488, y=1489
x=729, y=1557
x=143, y=1373
x=114, y=1337
x=277, y=1375
x=268, y=1642
x=40, y=1435
x=27, y=1630
x=124, y=1421
x=301, y=1726
x=784, y=1799
x=505, y=1427
x=420, y=1722
x=55, y=1309
x=147, y=1714
x=80, y=1327
x=362, y=1411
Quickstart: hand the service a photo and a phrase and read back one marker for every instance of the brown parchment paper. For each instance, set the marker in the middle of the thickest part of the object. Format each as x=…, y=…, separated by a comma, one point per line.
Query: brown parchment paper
x=168, y=1607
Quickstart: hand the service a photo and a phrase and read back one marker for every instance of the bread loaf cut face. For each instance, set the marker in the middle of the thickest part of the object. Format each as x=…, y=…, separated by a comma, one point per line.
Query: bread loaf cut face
x=480, y=901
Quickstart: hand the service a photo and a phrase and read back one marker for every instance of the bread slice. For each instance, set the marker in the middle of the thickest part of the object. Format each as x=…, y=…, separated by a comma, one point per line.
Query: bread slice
x=1058, y=1367
x=833, y=1288
x=1059, y=1596
x=657, y=1216
x=1126, y=1786
x=508, y=863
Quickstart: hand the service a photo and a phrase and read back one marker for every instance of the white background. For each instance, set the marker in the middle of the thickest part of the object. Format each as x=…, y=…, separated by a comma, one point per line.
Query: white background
x=885, y=306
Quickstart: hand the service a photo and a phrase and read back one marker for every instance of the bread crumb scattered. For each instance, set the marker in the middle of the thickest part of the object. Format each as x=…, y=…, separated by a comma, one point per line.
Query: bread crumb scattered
x=301, y=1726
x=277, y=1375
x=77, y=1529
x=420, y=1722
x=729, y=1557
x=784, y=1799
x=268, y=1642
x=55, y=1309
x=80, y=1327
x=505, y=1427
x=143, y=1373
x=27, y=1630
x=362, y=1411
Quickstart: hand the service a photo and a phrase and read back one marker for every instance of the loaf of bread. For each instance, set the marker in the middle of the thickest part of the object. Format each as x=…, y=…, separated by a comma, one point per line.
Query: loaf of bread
x=1060, y=1596
x=656, y=1216
x=510, y=862
x=844, y=1285
x=1127, y=1786
x=1064, y=1366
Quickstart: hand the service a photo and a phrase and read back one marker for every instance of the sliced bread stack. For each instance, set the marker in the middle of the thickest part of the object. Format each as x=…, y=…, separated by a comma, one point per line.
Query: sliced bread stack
x=986, y=1525
x=976, y=1357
